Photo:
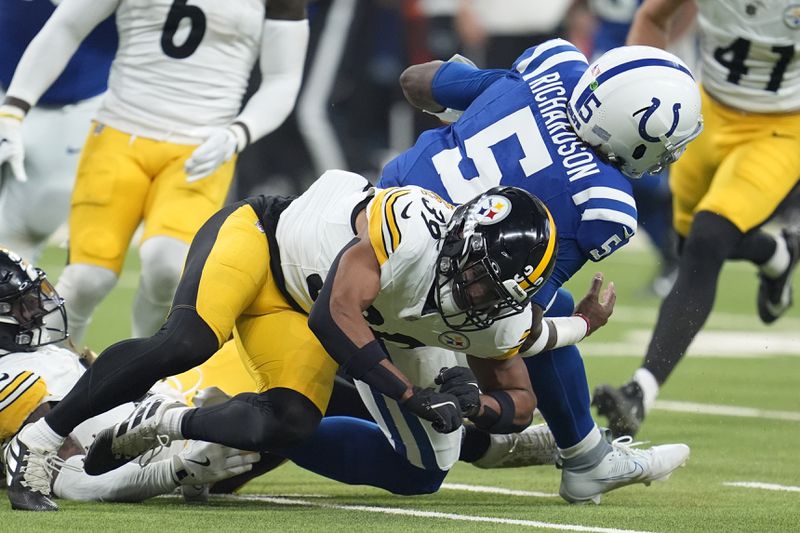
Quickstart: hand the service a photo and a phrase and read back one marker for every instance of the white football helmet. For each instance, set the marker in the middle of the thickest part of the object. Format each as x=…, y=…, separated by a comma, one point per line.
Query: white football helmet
x=638, y=106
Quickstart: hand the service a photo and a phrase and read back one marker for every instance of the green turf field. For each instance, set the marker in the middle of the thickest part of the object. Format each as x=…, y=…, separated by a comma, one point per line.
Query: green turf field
x=735, y=400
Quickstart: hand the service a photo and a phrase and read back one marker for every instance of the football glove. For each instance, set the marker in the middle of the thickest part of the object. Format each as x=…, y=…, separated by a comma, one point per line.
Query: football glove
x=461, y=383
x=205, y=462
x=218, y=148
x=440, y=409
x=12, y=151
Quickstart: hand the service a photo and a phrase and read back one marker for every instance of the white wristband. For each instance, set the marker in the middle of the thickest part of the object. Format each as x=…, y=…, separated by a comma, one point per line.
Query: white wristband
x=569, y=329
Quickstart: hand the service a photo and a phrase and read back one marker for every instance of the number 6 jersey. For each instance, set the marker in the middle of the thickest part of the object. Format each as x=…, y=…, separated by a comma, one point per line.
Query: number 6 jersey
x=182, y=66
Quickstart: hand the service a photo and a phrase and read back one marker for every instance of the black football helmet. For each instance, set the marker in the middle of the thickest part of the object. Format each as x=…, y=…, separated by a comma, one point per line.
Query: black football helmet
x=32, y=313
x=498, y=250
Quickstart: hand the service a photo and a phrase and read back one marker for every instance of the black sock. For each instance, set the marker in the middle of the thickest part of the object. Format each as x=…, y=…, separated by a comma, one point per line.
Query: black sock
x=685, y=310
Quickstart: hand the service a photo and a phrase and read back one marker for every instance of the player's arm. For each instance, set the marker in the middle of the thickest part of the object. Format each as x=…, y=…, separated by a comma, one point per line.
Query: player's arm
x=507, y=400
x=336, y=319
x=284, y=41
x=591, y=313
x=437, y=85
x=49, y=52
x=651, y=24
x=43, y=61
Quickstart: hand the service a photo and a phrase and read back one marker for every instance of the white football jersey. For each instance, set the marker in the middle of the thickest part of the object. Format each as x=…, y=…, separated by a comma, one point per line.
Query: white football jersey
x=29, y=379
x=406, y=225
x=749, y=53
x=181, y=68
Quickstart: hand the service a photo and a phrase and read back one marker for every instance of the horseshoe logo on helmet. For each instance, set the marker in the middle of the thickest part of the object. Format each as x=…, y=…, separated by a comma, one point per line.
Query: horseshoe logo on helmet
x=648, y=112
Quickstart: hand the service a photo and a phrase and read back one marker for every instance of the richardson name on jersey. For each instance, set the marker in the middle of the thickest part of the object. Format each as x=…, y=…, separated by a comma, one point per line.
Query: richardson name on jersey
x=551, y=97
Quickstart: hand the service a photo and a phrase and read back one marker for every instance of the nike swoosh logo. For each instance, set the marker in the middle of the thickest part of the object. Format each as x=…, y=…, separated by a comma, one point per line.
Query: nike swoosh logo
x=437, y=405
x=3, y=376
x=201, y=463
x=404, y=212
x=636, y=471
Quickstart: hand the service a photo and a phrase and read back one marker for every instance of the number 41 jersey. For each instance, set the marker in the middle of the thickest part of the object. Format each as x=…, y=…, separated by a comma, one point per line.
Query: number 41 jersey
x=181, y=67
x=749, y=52
x=516, y=132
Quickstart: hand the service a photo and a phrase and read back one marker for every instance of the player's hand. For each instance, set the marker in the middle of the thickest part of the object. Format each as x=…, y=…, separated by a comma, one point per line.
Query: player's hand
x=440, y=409
x=461, y=383
x=205, y=462
x=12, y=151
x=593, y=307
x=219, y=147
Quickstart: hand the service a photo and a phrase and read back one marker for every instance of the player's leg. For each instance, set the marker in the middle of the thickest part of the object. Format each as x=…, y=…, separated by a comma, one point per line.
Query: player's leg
x=30, y=212
x=106, y=207
x=173, y=212
x=209, y=298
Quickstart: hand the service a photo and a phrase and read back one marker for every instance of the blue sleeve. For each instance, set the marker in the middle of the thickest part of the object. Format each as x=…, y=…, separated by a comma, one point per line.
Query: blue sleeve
x=390, y=175
x=600, y=238
x=569, y=260
x=456, y=85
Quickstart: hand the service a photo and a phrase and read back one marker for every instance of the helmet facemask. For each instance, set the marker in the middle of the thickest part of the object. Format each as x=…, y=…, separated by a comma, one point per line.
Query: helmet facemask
x=33, y=317
x=470, y=292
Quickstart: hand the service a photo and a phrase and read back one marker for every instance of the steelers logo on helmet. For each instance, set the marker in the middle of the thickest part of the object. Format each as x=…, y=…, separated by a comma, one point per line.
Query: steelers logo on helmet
x=791, y=16
x=498, y=250
x=492, y=209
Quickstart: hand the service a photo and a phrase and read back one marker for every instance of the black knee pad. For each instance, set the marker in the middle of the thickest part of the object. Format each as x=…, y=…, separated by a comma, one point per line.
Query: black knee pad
x=285, y=418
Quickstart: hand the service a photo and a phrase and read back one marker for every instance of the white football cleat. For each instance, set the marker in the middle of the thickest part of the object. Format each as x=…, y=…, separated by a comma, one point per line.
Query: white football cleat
x=137, y=434
x=204, y=463
x=622, y=466
x=533, y=446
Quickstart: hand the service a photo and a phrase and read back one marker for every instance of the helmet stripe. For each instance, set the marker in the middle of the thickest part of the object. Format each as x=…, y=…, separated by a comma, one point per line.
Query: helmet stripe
x=625, y=67
x=548, y=254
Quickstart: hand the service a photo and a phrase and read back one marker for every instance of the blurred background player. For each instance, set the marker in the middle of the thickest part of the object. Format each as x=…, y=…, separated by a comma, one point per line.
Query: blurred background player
x=35, y=374
x=162, y=148
x=729, y=182
x=54, y=131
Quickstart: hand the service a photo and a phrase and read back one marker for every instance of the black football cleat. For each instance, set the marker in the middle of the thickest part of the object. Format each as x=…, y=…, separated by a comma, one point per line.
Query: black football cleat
x=775, y=294
x=623, y=407
x=29, y=475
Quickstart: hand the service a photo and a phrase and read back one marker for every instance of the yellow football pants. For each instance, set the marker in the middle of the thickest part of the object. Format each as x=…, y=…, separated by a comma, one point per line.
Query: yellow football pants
x=741, y=167
x=123, y=180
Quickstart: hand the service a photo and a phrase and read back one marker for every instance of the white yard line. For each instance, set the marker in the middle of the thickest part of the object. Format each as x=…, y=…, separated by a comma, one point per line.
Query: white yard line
x=498, y=490
x=431, y=514
x=717, y=319
x=741, y=344
x=725, y=410
x=763, y=486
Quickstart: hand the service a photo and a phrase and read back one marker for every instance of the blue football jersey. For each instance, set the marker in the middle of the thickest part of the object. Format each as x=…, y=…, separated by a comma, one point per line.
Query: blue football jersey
x=516, y=132
x=614, y=18
x=85, y=76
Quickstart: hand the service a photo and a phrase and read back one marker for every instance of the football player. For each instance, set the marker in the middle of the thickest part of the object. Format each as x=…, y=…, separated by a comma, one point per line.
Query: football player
x=35, y=374
x=162, y=148
x=572, y=134
x=728, y=184
x=34, y=196
x=396, y=264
